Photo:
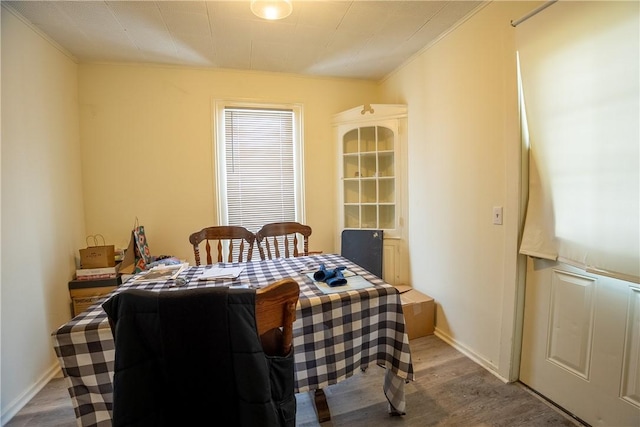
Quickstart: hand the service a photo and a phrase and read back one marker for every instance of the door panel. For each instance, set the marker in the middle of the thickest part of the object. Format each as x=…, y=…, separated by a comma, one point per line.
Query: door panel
x=571, y=322
x=581, y=343
x=389, y=262
x=631, y=371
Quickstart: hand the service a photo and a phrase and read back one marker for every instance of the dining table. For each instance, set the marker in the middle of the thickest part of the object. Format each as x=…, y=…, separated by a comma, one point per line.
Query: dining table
x=338, y=331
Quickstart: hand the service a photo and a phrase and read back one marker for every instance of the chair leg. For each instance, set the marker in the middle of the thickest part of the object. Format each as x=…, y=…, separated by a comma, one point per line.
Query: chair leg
x=322, y=408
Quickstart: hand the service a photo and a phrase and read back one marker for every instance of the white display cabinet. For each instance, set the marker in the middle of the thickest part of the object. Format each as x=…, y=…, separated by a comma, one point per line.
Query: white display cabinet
x=372, y=174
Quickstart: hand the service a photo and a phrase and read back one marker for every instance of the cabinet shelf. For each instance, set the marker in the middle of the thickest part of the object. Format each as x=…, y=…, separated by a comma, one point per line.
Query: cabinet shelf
x=368, y=174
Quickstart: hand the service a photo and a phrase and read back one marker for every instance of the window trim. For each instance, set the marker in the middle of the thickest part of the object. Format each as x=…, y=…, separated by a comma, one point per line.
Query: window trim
x=219, y=157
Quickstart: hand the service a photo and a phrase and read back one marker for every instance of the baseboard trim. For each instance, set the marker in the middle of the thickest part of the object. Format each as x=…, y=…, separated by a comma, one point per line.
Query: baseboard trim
x=14, y=407
x=470, y=354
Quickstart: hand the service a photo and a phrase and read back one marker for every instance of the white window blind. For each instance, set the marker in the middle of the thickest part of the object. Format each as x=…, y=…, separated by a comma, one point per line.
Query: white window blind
x=580, y=63
x=259, y=168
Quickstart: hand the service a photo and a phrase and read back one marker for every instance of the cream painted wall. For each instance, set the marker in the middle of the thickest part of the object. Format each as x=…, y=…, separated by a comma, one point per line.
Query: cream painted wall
x=42, y=214
x=464, y=159
x=147, y=147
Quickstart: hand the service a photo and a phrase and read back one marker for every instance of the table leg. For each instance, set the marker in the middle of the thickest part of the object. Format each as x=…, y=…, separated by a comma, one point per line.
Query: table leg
x=322, y=408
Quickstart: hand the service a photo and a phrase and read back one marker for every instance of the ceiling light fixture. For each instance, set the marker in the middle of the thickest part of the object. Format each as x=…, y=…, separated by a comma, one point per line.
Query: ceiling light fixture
x=271, y=9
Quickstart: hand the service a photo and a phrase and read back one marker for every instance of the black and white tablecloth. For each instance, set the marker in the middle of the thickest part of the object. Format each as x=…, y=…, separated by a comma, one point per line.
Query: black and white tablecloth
x=335, y=334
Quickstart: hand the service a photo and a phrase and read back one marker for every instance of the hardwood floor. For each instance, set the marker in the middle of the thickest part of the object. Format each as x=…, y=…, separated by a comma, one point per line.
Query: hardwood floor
x=450, y=390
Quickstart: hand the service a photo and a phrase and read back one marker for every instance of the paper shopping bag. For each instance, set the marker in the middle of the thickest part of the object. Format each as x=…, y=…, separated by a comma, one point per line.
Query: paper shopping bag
x=96, y=255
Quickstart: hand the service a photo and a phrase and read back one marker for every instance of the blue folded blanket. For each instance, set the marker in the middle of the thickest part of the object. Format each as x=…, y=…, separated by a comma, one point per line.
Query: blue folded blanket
x=332, y=277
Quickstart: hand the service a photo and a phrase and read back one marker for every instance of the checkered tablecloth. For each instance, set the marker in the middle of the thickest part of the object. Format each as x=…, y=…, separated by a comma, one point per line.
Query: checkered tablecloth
x=335, y=335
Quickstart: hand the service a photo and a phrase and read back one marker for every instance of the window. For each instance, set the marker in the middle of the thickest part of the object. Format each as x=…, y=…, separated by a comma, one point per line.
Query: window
x=579, y=71
x=258, y=163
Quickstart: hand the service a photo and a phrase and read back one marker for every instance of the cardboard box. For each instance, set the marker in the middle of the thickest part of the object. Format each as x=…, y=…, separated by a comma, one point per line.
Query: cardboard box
x=81, y=304
x=85, y=293
x=418, y=310
x=98, y=256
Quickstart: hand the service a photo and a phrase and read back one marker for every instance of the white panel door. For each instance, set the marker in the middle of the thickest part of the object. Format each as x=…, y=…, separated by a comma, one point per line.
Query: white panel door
x=581, y=343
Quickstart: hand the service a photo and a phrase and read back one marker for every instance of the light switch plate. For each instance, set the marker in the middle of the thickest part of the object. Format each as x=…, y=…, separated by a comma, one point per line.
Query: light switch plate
x=497, y=215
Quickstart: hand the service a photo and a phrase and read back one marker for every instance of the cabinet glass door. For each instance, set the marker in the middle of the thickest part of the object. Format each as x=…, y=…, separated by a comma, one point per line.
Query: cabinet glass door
x=369, y=180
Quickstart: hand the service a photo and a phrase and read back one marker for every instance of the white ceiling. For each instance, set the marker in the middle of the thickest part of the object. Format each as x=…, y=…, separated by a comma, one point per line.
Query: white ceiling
x=353, y=39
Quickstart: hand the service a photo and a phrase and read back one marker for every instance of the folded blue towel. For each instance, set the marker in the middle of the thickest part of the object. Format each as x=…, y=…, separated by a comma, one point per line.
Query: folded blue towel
x=332, y=277
x=337, y=280
x=322, y=274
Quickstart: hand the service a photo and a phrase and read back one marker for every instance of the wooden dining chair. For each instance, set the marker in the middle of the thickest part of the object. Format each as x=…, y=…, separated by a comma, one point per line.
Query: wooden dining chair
x=282, y=238
x=238, y=241
x=198, y=353
x=275, y=314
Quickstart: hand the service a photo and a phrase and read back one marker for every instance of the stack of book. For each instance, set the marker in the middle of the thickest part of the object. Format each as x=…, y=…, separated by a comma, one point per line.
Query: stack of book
x=96, y=273
x=91, y=285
